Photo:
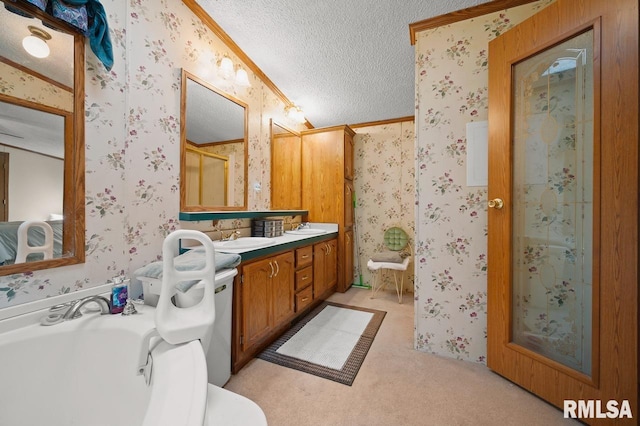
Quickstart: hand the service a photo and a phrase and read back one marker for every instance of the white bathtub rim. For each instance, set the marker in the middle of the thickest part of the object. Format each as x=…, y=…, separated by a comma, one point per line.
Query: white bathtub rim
x=24, y=309
x=178, y=397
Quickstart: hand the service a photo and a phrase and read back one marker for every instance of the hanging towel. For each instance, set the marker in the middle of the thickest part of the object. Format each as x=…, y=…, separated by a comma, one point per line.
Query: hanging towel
x=192, y=260
x=98, y=30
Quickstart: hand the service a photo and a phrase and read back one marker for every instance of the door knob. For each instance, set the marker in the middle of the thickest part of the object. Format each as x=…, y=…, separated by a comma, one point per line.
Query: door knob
x=496, y=203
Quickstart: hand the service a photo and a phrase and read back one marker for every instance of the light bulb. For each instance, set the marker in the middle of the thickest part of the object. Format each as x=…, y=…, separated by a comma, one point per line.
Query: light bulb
x=35, y=46
x=226, y=67
x=242, y=78
x=298, y=115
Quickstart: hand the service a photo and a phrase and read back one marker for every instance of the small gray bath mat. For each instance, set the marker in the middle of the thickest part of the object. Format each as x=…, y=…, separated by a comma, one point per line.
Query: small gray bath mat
x=330, y=342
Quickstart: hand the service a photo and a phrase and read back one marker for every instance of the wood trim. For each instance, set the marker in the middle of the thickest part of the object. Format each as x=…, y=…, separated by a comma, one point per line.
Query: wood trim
x=206, y=144
x=344, y=128
x=30, y=151
x=35, y=74
x=74, y=173
x=383, y=122
x=220, y=33
x=183, y=144
x=462, y=15
x=4, y=188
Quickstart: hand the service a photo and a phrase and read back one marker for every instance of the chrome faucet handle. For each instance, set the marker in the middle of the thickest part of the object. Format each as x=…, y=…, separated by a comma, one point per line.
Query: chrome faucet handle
x=74, y=310
x=129, y=308
x=61, y=306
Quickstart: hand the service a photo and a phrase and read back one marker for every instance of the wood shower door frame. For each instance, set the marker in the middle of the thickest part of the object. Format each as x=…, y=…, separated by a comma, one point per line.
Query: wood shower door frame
x=615, y=249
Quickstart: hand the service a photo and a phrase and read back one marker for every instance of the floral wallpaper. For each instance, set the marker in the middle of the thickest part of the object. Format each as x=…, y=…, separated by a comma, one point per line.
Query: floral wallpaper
x=19, y=84
x=384, y=184
x=451, y=219
x=133, y=143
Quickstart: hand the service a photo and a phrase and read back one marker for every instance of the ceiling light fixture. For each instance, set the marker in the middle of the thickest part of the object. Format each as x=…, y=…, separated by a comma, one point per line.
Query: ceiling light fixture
x=242, y=78
x=226, y=70
x=36, y=43
x=295, y=113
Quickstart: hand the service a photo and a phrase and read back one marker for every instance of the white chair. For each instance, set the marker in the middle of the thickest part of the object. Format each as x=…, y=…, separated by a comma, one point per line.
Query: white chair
x=24, y=249
x=395, y=259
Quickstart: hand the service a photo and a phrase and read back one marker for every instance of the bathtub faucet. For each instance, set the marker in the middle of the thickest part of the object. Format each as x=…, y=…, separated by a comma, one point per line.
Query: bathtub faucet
x=74, y=310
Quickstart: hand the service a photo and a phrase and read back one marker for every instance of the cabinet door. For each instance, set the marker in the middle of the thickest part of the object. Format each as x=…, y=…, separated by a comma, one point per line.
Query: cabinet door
x=331, y=266
x=256, y=301
x=348, y=257
x=319, y=273
x=286, y=178
x=282, y=288
x=348, y=204
x=322, y=176
x=348, y=156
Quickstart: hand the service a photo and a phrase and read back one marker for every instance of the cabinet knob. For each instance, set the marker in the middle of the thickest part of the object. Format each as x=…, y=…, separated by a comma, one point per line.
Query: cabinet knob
x=277, y=268
x=304, y=299
x=272, y=270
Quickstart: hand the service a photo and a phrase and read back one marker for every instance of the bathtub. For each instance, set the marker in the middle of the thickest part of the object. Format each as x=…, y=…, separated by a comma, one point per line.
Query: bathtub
x=83, y=372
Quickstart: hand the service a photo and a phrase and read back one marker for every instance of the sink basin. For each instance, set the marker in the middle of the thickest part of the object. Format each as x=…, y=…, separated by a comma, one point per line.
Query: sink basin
x=307, y=231
x=243, y=243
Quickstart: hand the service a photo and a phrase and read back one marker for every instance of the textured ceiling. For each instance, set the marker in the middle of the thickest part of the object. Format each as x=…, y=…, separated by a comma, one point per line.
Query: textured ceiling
x=341, y=61
x=58, y=65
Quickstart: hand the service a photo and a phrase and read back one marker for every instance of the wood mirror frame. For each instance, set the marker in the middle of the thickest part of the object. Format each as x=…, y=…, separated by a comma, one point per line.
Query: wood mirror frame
x=73, y=228
x=186, y=76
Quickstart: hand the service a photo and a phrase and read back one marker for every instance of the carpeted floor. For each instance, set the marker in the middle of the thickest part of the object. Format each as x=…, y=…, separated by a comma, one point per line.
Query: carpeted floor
x=396, y=385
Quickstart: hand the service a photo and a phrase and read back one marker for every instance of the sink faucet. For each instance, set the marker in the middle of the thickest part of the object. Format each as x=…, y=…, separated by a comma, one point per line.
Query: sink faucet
x=233, y=235
x=74, y=310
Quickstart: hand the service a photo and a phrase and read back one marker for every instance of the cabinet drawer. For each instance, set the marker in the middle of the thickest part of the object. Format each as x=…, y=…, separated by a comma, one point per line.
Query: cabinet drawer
x=304, y=277
x=304, y=256
x=304, y=298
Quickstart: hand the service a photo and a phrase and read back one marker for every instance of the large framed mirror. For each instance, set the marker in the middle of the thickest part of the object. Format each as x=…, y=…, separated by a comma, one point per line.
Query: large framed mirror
x=41, y=140
x=286, y=168
x=213, y=160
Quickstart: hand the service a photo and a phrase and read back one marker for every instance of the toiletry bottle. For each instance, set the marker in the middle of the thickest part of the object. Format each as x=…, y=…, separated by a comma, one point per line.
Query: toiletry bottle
x=119, y=294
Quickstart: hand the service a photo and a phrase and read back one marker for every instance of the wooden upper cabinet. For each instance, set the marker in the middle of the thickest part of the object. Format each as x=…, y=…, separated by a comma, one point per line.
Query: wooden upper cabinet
x=348, y=156
x=286, y=169
x=323, y=172
x=327, y=186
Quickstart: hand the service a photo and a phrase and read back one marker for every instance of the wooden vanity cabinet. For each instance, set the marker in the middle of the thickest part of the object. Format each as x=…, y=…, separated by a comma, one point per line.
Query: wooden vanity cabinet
x=327, y=188
x=304, y=278
x=267, y=297
x=325, y=268
x=270, y=292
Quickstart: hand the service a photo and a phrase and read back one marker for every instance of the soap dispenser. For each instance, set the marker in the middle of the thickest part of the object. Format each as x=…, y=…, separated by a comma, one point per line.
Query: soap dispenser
x=119, y=294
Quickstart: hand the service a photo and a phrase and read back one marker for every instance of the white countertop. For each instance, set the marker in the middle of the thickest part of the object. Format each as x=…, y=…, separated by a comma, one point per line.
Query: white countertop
x=287, y=237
